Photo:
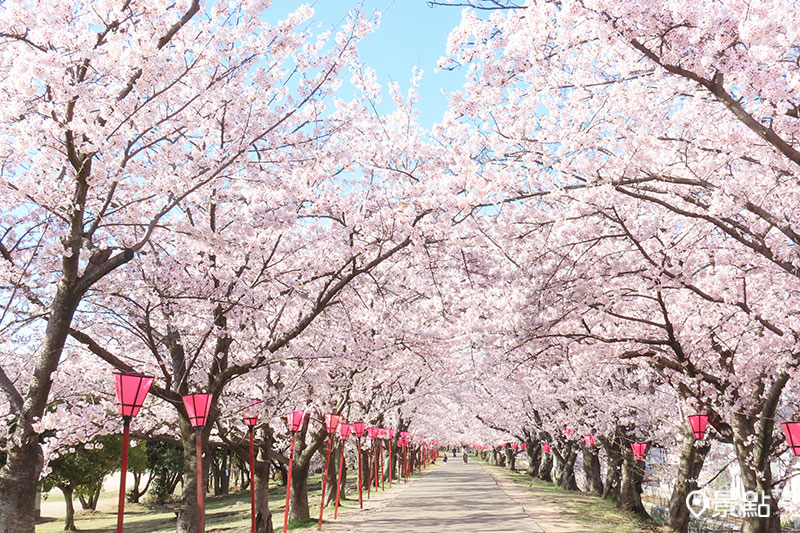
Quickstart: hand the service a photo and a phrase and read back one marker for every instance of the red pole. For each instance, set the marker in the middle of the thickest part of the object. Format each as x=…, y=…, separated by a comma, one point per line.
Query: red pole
x=376, y=463
x=405, y=465
x=339, y=482
x=324, y=482
x=288, y=486
x=391, y=463
x=383, y=477
x=201, y=511
x=126, y=437
x=370, y=469
x=360, y=498
x=252, y=482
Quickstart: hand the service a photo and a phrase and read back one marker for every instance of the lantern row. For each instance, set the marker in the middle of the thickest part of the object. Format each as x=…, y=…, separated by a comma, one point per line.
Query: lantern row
x=132, y=389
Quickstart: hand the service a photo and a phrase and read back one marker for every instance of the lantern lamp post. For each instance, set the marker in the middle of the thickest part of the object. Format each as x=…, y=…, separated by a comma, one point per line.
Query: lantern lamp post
x=589, y=440
x=131, y=392
x=383, y=434
x=344, y=434
x=390, y=433
x=358, y=429
x=295, y=419
x=250, y=417
x=698, y=424
x=401, y=451
x=639, y=450
x=792, y=432
x=331, y=423
x=197, y=408
x=373, y=434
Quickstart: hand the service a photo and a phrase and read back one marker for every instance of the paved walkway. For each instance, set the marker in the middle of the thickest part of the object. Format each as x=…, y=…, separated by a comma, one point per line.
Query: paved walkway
x=456, y=497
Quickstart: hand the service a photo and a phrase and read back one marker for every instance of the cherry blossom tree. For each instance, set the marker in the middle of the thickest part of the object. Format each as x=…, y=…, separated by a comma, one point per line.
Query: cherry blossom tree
x=114, y=117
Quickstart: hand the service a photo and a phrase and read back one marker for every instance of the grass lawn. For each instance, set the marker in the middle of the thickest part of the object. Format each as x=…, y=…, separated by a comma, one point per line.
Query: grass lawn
x=228, y=514
x=591, y=511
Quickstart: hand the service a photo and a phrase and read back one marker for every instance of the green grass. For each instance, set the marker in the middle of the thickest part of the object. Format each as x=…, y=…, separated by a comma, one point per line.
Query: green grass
x=56, y=495
x=591, y=511
x=229, y=514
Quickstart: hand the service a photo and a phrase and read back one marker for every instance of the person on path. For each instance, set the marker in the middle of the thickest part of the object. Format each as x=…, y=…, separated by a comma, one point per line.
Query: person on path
x=444, y=458
x=464, y=455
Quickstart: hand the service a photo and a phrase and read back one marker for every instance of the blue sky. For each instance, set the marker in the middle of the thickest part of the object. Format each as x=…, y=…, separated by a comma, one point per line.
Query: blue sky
x=410, y=34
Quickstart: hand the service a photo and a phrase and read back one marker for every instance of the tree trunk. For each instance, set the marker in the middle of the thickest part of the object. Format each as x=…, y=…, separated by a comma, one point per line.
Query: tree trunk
x=511, y=458
x=591, y=466
x=613, y=470
x=24, y=462
x=366, y=470
x=225, y=473
x=546, y=467
x=188, y=511
x=69, y=520
x=567, y=477
x=500, y=457
x=136, y=492
x=333, y=468
x=630, y=491
x=558, y=466
x=18, y=488
x=752, y=453
x=88, y=495
x=534, y=451
x=214, y=474
x=303, y=452
x=298, y=495
x=693, y=454
x=261, y=487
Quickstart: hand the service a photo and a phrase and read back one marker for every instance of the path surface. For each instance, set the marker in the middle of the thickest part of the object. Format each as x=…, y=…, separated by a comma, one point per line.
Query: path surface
x=457, y=497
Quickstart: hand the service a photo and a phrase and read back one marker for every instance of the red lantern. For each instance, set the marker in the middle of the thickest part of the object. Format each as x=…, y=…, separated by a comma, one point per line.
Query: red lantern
x=514, y=445
x=332, y=422
x=391, y=433
x=568, y=433
x=523, y=446
x=698, y=424
x=131, y=392
x=295, y=419
x=197, y=407
x=404, y=435
x=639, y=449
x=792, y=432
x=373, y=432
x=546, y=447
x=250, y=416
x=344, y=433
x=358, y=429
x=589, y=440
